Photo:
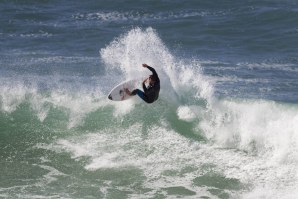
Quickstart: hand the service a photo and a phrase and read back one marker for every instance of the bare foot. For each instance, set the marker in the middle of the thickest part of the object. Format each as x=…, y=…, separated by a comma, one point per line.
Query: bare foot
x=127, y=91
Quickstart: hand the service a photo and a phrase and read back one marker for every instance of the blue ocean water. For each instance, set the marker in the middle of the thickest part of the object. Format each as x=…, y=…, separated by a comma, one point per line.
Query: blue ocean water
x=225, y=125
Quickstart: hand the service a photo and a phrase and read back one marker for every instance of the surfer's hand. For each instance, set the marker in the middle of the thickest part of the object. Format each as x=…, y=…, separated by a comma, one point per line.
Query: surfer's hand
x=144, y=65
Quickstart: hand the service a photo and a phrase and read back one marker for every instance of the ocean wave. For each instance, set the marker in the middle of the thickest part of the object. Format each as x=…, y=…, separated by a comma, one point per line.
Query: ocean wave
x=115, y=16
x=188, y=131
x=39, y=34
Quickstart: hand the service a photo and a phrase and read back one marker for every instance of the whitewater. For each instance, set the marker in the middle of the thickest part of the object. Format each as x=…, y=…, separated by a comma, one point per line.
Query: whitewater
x=190, y=142
x=225, y=124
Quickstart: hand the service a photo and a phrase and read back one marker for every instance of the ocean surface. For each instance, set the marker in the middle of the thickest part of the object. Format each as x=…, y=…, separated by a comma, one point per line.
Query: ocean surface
x=225, y=124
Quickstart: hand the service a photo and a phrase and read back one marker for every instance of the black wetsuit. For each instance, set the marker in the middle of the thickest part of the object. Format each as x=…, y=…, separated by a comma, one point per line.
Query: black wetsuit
x=151, y=92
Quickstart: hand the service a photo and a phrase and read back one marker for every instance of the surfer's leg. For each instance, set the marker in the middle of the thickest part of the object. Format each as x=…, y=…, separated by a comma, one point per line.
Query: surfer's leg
x=140, y=93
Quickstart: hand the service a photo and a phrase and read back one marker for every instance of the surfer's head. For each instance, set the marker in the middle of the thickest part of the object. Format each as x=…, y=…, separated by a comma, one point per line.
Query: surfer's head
x=152, y=79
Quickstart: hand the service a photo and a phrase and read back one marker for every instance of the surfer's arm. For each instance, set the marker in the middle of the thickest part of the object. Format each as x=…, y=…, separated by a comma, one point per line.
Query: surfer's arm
x=152, y=70
x=144, y=86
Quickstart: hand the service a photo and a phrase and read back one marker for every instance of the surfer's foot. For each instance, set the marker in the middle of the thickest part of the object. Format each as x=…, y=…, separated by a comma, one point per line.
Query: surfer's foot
x=127, y=92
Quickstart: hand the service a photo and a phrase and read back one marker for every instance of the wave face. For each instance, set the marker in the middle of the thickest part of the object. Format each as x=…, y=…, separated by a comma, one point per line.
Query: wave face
x=225, y=124
x=63, y=129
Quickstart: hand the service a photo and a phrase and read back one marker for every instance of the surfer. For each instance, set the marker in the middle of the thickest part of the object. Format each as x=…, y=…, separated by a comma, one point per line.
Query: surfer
x=151, y=92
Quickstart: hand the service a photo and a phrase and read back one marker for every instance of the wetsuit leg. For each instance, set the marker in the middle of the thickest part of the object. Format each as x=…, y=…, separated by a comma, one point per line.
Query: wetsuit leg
x=140, y=93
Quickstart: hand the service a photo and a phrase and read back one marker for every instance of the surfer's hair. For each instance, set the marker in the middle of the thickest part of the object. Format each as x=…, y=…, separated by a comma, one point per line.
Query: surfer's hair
x=153, y=77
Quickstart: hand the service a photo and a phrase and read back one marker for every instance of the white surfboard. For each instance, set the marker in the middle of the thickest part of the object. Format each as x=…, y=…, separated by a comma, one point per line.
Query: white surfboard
x=118, y=92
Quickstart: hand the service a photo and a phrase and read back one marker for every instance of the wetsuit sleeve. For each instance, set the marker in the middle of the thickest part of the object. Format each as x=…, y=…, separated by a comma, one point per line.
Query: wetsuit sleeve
x=154, y=72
